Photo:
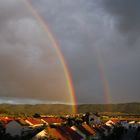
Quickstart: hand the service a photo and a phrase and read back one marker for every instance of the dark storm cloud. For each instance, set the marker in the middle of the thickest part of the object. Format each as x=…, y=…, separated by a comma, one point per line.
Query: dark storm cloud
x=126, y=16
x=126, y=13
x=109, y=27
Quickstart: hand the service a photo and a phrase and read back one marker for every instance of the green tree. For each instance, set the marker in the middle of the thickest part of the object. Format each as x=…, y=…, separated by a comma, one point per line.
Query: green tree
x=36, y=115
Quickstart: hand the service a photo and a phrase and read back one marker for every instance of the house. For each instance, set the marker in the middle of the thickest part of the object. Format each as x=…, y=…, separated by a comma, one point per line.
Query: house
x=107, y=130
x=125, y=124
x=87, y=134
x=138, y=123
x=133, y=124
x=85, y=131
x=69, y=133
x=79, y=132
x=111, y=123
x=92, y=118
x=15, y=127
x=52, y=120
x=99, y=132
x=34, y=122
x=41, y=135
x=92, y=131
x=2, y=128
x=55, y=133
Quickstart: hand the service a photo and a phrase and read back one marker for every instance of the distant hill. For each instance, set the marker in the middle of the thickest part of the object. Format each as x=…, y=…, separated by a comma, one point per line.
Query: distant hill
x=130, y=108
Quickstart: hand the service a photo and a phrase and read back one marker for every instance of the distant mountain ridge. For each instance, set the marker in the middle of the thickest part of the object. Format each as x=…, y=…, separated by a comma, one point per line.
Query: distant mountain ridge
x=130, y=108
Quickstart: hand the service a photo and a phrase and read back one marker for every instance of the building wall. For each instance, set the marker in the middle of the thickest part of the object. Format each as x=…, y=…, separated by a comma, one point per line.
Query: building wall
x=93, y=119
x=13, y=128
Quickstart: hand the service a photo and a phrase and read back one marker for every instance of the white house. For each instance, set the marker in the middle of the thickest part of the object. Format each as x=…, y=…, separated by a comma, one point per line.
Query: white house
x=110, y=123
x=93, y=119
x=133, y=124
x=14, y=128
x=125, y=124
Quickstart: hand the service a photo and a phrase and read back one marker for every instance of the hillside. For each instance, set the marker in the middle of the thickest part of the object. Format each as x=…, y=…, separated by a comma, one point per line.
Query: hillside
x=130, y=108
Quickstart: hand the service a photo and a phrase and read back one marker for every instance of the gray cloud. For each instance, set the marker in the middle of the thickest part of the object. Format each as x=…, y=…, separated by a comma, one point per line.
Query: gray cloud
x=126, y=13
x=29, y=66
x=84, y=30
x=126, y=16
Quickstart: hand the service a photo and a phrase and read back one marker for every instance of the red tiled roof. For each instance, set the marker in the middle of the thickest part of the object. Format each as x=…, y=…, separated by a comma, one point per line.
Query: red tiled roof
x=5, y=120
x=83, y=130
x=115, y=121
x=54, y=132
x=53, y=120
x=34, y=121
x=71, y=134
x=88, y=128
x=22, y=122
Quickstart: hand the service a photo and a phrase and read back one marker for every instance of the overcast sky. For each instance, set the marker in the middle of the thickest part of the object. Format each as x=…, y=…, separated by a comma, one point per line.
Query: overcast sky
x=87, y=30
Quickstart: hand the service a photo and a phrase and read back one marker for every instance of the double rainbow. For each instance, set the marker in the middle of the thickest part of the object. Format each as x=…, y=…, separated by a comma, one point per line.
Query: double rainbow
x=68, y=77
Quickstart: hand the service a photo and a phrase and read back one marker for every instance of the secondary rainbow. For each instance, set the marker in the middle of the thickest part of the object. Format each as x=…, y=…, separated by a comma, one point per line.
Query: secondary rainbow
x=55, y=44
x=106, y=87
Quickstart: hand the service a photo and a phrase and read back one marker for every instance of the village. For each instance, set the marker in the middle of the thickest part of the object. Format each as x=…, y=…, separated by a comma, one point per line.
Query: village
x=88, y=126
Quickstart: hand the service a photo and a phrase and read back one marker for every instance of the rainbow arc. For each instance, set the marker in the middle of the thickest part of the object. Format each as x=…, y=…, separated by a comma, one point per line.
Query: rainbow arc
x=55, y=45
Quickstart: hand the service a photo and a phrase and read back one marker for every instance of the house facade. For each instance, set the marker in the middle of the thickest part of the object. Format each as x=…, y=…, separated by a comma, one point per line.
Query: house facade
x=14, y=128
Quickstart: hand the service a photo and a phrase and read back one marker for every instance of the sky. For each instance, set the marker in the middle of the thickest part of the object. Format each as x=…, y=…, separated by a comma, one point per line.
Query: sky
x=99, y=39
